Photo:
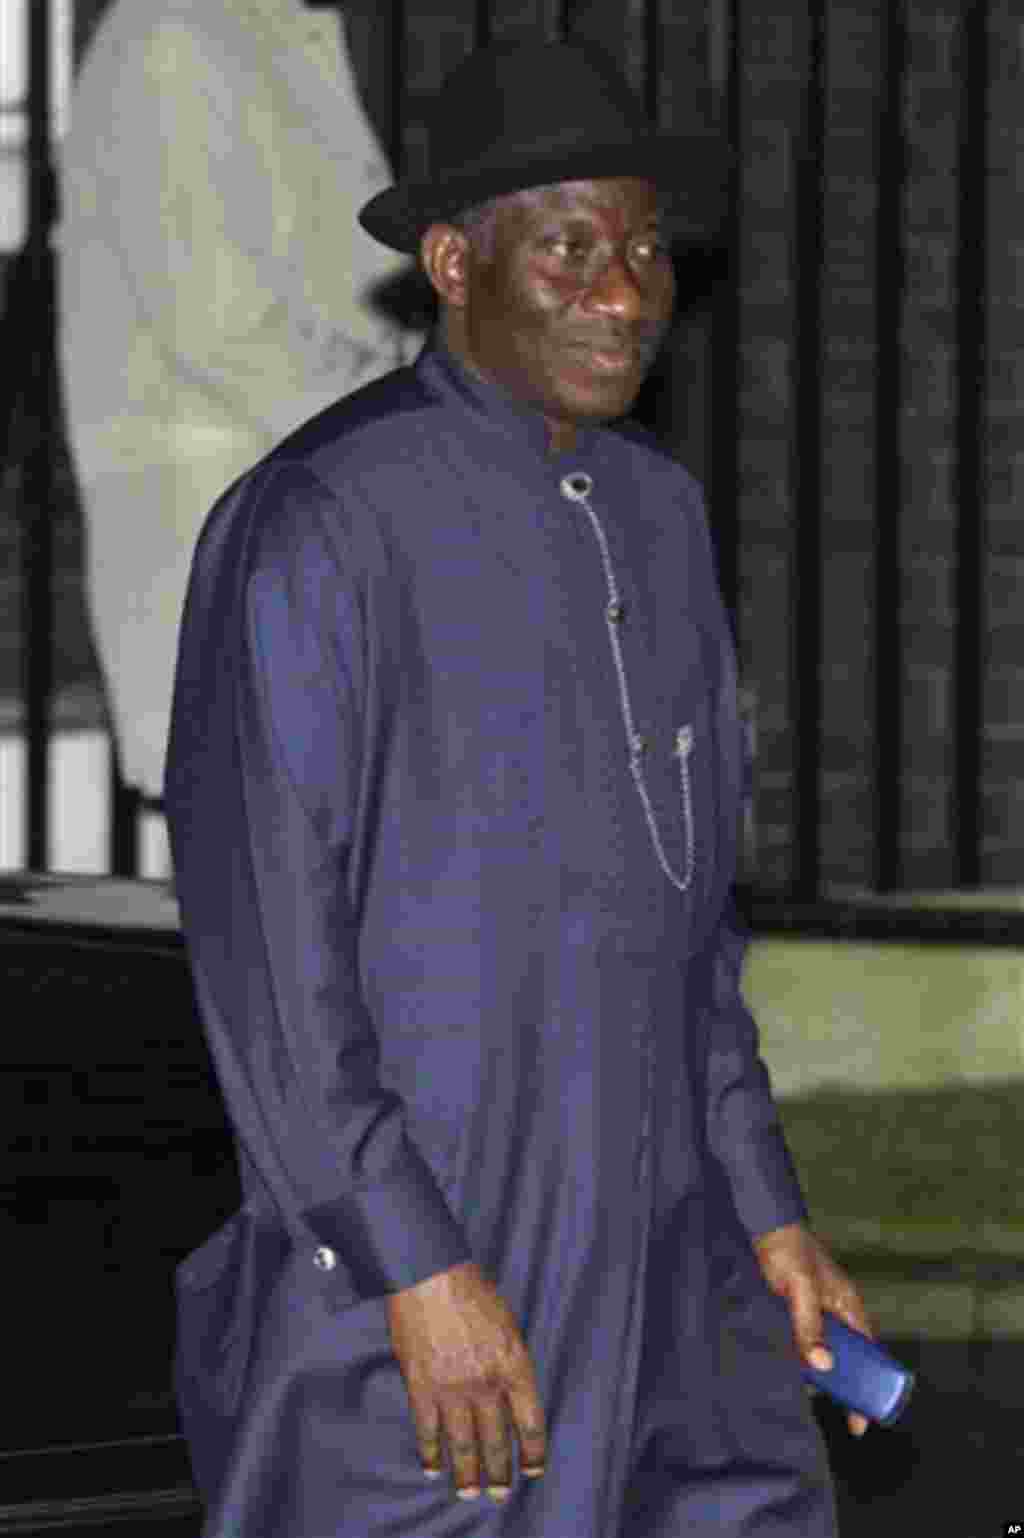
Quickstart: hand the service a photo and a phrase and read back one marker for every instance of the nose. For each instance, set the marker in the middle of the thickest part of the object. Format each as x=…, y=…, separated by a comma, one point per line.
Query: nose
x=616, y=291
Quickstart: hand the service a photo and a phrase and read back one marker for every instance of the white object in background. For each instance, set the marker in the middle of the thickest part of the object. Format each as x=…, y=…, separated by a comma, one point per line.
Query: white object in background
x=13, y=756
x=79, y=805
x=14, y=72
x=79, y=802
x=214, y=288
x=80, y=809
x=154, y=847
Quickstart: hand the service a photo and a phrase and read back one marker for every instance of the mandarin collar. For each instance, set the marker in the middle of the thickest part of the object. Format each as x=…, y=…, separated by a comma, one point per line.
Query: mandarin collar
x=489, y=401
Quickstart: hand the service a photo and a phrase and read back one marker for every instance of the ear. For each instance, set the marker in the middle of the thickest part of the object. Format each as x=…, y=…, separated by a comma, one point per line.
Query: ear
x=445, y=255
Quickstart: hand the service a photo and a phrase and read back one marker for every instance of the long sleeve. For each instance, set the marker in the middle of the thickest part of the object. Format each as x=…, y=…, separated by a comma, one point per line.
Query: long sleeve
x=264, y=772
x=744, y=1129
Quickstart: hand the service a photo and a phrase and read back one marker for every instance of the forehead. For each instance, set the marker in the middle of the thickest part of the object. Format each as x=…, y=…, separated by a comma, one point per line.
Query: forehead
x=631, y=198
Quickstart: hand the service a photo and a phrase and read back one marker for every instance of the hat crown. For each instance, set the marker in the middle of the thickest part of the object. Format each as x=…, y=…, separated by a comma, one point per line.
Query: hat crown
x=517, y=115
x=517, y=98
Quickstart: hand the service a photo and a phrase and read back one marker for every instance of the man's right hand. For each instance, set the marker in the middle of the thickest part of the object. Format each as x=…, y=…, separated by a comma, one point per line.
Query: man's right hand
x=470, y=1380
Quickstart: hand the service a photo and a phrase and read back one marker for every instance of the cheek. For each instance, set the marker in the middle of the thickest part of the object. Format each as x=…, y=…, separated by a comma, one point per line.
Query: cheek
x=543, y=296
x=542, y=319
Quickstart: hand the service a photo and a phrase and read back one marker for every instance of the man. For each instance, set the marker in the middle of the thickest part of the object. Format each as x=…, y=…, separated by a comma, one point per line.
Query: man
x=215, y=293
x=454, y=786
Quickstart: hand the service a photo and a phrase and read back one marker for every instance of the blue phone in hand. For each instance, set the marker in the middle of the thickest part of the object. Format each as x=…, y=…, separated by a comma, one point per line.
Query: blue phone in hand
x=863, y=1376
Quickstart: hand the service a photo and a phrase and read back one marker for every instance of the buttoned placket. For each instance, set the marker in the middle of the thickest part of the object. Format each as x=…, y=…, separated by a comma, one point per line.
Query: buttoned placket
x=576, y=487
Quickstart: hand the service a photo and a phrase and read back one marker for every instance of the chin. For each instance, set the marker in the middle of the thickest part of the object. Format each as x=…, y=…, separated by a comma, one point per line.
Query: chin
x=600, y=405
x=586, y=395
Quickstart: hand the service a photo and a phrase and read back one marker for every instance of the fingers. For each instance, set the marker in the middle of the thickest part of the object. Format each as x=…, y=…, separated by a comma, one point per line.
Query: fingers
x=799, y=1268
x=791, y=1261
x=479, y=1448
x=809, y=1326
x=428, y=1435
x=432, y=1456
x=852, y=1311
x=528, y=1419
x=468, y=1374
x=495, y=1448
x=460, y=1431
x=479, y=1441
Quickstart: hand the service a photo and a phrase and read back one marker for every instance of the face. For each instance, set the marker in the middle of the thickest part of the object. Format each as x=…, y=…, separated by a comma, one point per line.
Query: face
x=569, y=302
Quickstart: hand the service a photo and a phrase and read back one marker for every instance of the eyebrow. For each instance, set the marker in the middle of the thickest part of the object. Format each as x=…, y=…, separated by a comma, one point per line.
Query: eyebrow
x=566, y=218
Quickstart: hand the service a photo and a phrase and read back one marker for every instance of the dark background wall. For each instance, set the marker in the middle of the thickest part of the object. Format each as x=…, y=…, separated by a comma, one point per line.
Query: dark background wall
x=725, y=398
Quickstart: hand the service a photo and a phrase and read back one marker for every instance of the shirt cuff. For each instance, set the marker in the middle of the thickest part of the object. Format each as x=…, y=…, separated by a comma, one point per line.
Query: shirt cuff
x=392, y=1235
x=766, y=1190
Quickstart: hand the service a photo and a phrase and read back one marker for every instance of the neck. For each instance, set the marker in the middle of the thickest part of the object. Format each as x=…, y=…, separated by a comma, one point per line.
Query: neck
x=561, y=434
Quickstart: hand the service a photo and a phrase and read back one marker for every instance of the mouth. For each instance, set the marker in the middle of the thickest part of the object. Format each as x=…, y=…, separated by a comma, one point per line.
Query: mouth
x=608, y=358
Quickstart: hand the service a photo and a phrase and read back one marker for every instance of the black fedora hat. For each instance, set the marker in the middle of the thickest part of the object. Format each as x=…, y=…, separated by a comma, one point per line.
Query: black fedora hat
x=518, y=115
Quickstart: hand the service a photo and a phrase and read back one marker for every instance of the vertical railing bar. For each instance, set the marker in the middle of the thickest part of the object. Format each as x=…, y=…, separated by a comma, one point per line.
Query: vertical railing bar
x=484, y=31
x=552, y=19
x=37, y=425
x=970, y=492
x=653, y=53
x=806, y=470
x=725, y=357
x=125, y=806
x=399, y=21
x=890, y=281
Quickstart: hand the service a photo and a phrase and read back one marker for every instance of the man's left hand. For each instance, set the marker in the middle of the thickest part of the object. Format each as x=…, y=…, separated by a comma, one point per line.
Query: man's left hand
x=798, y=1267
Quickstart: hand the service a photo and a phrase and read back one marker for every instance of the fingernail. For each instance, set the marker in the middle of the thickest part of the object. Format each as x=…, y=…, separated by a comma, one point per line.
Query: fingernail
x=468, y=1493
x=820, y=1358
x=533, y=1473
x=499, y=1492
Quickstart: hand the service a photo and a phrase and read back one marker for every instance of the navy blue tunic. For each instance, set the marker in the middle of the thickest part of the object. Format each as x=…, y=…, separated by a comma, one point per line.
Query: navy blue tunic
x=453, y=784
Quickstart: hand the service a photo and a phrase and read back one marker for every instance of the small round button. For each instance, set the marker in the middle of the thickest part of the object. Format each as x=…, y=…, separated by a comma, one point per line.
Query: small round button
x=325, y=1259
x=577, y=487
x=616, y=612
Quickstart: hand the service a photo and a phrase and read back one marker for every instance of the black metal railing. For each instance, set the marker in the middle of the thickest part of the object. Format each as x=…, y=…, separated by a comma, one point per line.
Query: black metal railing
x=809, y=447
x=971, y=478
x=806, y=462
x=890, y=259
x=28, y=428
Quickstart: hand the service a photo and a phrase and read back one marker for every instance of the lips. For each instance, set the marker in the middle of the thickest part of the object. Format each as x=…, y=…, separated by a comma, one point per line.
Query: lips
x=608, y=357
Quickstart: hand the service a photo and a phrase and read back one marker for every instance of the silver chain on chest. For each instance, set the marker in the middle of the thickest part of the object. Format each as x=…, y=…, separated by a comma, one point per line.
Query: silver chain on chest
x=577, y=488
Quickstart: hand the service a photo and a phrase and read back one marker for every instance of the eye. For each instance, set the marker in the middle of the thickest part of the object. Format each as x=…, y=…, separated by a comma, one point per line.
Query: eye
x=652, y=248
x=568, y=248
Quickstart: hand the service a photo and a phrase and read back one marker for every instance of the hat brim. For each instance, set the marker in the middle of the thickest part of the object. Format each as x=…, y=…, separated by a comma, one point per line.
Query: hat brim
x=690, y=172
